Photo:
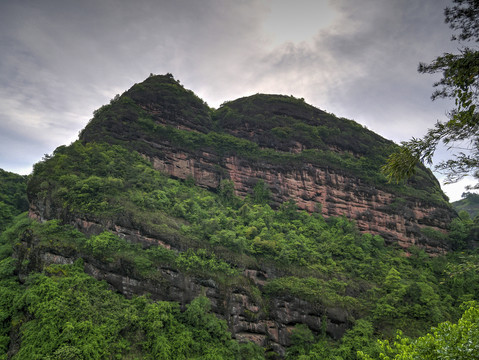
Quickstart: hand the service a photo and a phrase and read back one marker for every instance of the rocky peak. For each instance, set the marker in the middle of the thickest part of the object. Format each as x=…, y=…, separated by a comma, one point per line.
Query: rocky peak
x=322, y=162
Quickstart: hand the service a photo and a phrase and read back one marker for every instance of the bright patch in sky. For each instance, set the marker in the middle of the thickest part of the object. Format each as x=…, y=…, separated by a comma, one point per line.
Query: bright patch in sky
x=357, y=59
x=298, y=20
x=455, y=191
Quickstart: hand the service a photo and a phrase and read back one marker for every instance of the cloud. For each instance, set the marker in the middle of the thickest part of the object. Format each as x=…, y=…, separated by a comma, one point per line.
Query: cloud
x=297, y=21
x=61, y=59
x=388, y=94
x=365, y=65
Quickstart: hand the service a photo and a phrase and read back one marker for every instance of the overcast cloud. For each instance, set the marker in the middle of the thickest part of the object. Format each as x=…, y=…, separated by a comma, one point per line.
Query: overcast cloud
x=62, y=59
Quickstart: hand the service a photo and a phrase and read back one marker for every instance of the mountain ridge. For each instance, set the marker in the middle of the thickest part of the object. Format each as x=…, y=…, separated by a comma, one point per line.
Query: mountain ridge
x=163, y=197
x=307, y=155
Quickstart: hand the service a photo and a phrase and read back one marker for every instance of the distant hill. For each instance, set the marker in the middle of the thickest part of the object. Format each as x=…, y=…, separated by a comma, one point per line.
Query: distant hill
x=469, y=203
x=13, y=196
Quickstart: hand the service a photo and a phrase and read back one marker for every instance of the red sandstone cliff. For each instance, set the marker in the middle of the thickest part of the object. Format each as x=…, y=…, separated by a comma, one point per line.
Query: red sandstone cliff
x=154, y=122
x=315, y=189
x=174, y=137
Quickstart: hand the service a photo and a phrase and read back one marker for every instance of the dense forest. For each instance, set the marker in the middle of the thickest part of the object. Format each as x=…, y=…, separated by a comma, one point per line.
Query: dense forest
x=13, y=197
x=59, y=312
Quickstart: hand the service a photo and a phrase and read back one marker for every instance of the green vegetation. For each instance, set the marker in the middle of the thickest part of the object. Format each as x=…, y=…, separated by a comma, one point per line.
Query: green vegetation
x=13, y=199
x=366, y=167
x=62, y=313
x=320, y=292
x=446, y=341
x=214, y=236
x=161, y=111
x=282, y=122
x=469, y=203
x=143, y=225
x=291, y=120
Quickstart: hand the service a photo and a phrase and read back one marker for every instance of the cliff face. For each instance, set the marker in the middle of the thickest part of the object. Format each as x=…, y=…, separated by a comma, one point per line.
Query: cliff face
x=315, y=189
x=266, y=321
x=322, y=162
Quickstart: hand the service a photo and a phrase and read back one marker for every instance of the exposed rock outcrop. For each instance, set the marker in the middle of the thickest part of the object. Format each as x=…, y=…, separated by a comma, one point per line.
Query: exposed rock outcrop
x=311, y=157
x=267, y=323
x=281, y=126
x=375, y=211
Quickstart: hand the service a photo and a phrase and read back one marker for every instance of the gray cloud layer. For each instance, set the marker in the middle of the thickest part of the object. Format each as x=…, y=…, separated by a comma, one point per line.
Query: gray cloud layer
x=62, y=59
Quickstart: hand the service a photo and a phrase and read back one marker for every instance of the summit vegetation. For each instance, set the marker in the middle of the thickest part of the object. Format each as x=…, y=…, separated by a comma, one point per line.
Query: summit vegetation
x=277, y=123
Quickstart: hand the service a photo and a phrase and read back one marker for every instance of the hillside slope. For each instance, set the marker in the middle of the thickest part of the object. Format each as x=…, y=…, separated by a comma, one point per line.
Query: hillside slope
x=13, y=197
x=204, y=236
x=469, y=203
x=321, y=162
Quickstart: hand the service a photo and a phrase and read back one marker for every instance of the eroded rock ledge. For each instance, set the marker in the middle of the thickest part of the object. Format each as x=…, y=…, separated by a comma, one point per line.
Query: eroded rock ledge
x=268, y=323
x=375, y=211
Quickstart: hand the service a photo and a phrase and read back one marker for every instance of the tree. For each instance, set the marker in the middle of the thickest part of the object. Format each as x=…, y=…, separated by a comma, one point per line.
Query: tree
x=446, y=341
x=460, y=81
x=261, y=193
x=302, y=339
x=226, y=191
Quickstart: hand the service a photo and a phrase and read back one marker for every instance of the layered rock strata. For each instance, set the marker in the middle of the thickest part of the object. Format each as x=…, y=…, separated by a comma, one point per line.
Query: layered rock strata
x=267, y=323
x=315, y=189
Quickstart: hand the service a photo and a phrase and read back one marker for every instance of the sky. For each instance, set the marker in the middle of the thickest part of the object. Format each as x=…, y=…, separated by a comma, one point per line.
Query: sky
x=62, y=59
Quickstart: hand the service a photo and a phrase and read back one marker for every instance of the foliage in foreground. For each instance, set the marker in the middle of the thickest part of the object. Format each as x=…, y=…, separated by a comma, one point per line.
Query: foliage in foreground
x=460, y=82
x=62, y=313
x=458, y=341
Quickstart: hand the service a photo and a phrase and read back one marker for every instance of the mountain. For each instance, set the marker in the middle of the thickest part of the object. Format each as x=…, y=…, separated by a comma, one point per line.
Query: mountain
x=321, y=162
x=13, y=198
x=469, y=203
x=261, y=229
